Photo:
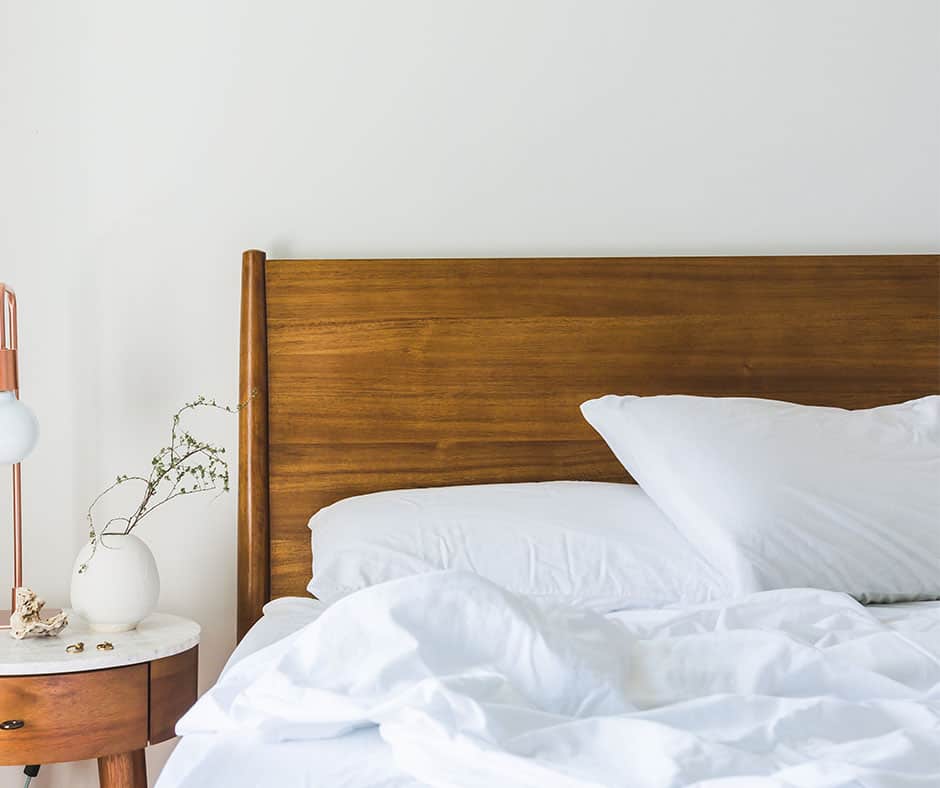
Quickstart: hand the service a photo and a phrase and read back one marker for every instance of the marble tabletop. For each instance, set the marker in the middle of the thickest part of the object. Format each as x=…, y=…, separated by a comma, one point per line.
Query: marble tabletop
x=159, y=635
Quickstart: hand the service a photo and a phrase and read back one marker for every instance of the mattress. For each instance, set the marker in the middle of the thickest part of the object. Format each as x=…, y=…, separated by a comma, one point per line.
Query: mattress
x=362, y=758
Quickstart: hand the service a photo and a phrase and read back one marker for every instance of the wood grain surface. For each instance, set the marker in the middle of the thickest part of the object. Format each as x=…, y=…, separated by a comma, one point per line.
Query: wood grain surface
x=73, y=716
x=253, y=537
x=123, y=770
x=384, y=374
x=173, y=689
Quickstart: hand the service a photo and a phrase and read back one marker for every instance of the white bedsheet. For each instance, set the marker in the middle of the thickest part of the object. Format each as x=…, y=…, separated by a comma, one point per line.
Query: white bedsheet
x=445, y=679
x=226, y=761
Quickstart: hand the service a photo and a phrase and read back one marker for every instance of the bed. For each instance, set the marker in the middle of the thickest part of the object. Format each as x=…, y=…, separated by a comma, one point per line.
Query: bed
x=370, y=375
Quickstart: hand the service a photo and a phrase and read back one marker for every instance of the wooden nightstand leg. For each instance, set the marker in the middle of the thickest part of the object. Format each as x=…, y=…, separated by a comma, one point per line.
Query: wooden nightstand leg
x=125, y=770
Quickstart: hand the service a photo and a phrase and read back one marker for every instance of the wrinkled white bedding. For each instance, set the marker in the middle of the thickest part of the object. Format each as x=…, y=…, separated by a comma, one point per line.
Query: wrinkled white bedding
x=468, y=685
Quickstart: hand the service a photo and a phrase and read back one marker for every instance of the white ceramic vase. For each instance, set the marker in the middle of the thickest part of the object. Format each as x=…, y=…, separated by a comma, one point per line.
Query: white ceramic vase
x=120, y=585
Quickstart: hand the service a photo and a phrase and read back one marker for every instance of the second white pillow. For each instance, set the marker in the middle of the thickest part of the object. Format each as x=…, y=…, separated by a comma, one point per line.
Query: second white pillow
x=781, y=495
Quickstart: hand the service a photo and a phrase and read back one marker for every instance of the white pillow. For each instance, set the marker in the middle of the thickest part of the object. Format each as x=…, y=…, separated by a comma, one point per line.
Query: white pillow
x=604, y=546
x=779, y=495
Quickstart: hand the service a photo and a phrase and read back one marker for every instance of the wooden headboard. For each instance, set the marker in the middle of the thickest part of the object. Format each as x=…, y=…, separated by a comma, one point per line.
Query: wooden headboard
x=382, y=374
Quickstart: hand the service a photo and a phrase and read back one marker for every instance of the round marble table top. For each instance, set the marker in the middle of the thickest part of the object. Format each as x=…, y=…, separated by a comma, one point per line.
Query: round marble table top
x=159, y=635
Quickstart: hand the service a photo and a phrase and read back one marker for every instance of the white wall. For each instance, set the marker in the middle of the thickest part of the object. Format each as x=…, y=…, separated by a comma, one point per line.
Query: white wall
x=143, y=146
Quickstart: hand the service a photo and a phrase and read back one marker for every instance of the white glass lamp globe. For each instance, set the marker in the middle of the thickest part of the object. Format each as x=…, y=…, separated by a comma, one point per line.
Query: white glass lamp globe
x=19, y=429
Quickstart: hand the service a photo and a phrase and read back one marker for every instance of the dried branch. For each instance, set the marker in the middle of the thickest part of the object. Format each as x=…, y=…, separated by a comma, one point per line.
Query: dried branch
x=186, y=467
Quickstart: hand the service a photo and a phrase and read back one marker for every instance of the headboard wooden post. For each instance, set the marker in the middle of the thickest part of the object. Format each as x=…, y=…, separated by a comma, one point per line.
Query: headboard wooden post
x=254, y=577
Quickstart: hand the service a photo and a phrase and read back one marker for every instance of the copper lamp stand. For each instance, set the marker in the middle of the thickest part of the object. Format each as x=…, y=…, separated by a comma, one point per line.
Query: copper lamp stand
x=9, y=381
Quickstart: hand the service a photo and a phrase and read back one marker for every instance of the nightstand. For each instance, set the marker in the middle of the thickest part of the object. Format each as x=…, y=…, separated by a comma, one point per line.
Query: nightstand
x=104, y=704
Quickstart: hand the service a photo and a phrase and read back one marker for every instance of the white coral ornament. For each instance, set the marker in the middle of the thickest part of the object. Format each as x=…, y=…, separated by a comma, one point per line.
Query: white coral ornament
x=27, y=621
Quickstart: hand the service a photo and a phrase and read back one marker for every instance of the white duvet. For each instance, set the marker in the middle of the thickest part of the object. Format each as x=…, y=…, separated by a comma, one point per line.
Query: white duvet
x=470, y=685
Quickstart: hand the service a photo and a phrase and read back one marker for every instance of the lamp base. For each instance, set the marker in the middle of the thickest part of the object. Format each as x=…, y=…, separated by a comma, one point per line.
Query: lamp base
x=47, y=612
